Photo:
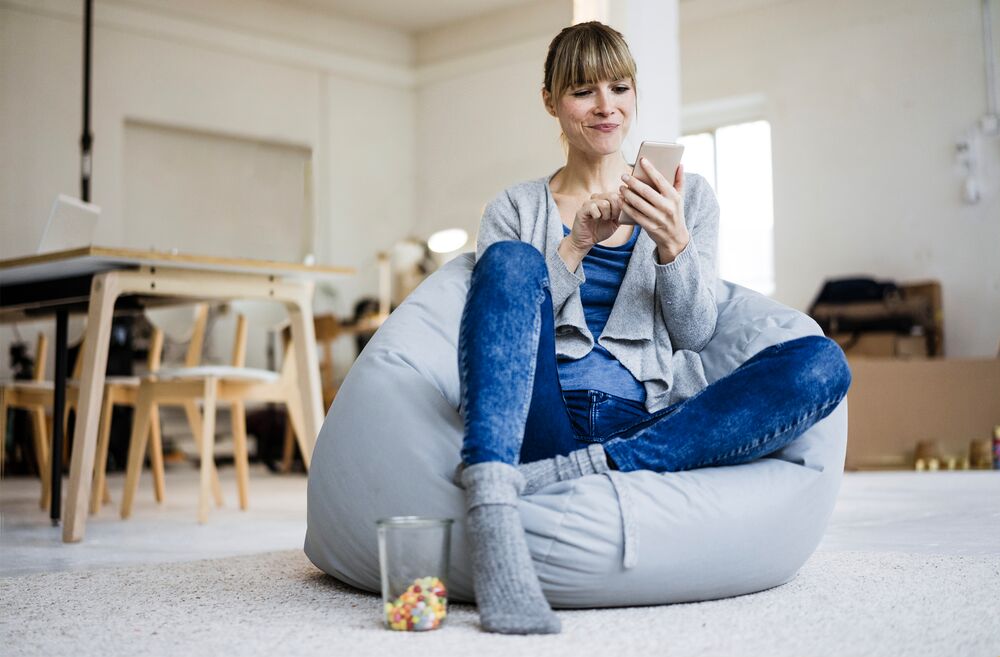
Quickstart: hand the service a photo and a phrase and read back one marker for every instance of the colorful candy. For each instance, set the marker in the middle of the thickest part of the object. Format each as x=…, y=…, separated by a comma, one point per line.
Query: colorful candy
x=423, y=606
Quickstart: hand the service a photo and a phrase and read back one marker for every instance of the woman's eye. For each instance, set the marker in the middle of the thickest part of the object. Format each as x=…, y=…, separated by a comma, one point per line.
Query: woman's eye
x=582, y=92
x=621, y=89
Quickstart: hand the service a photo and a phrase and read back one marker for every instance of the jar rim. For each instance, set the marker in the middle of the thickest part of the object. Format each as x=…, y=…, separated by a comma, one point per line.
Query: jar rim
x=414, y=521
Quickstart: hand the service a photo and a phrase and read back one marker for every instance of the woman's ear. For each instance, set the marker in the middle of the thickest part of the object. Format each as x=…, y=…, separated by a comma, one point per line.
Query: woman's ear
x=547, y=101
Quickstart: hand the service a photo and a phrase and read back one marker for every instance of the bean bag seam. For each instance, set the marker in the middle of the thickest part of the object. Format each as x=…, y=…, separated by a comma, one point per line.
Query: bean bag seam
x=562, y=519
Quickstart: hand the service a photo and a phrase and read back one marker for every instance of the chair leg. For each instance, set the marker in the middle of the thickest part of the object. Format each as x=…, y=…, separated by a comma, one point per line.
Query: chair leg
x=3, y=427
x=48, y=433
x=288, y=448
x=240, y=451
x=207, y=446
x=296, y=417
x=100, y=484
x=156, y=453
x=42, y=437
x=137, y=447
x=70, y=407
x=194, y=421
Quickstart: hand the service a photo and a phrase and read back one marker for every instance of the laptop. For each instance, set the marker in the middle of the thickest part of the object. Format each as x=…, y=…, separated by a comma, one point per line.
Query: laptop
x=71, y=225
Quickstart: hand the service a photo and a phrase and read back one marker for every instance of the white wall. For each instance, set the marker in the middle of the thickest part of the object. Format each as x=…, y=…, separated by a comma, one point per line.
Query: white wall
x=341, y=89
x=480, y=123
x=865, y=101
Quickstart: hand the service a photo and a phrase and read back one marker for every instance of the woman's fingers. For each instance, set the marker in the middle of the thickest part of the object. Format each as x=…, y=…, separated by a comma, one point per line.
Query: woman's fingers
x=638, y=203
x=602, y=207
x=652, y=196
x=616, y=207
x=659, y=181
x=613, y=201
x=672, y=190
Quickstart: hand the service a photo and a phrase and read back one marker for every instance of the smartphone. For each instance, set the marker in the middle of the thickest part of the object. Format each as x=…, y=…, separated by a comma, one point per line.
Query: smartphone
x=666, y=157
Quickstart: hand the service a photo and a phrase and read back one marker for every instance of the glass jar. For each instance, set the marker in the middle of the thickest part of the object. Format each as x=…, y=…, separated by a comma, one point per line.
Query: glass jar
x=414, y=555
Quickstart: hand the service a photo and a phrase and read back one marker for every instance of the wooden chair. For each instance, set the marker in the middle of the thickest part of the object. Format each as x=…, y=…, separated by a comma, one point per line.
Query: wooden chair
x=233, y=385
x=328, y=329
x=127, y=393
x=38, y=395
x=30, y=396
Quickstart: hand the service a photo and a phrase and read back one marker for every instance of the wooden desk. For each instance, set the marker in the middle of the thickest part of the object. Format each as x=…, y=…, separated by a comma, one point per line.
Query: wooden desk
x=91, y=279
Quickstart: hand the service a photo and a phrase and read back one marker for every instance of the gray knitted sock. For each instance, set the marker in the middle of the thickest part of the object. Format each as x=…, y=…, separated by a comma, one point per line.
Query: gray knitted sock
x=508, y=594
x=539, y=474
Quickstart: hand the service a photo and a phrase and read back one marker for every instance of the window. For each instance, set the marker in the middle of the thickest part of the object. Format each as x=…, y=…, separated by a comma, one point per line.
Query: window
x=736, y=161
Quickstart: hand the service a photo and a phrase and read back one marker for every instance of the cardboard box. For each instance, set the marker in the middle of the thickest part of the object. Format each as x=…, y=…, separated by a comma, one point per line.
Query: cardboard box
x=930, y=292
x=893, y=404
x=912, y=346
x=864, y=328
x=882, y=344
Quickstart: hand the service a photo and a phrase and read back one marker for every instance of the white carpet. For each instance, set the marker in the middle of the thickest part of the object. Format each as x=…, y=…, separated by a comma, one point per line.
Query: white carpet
x=842, y=603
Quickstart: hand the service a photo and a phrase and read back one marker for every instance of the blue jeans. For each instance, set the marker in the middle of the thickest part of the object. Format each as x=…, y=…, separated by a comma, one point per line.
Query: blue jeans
x=516, y=412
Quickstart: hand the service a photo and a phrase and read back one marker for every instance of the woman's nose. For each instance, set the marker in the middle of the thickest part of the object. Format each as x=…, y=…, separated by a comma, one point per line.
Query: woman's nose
x=604, y=103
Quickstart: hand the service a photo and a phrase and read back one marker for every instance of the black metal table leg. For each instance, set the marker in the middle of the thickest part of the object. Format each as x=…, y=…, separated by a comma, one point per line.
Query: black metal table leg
x=58, y=412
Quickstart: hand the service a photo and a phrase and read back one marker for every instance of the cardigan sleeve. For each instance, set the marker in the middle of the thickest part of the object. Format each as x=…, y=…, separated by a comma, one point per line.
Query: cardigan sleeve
x=501, y=221
x=685, y=287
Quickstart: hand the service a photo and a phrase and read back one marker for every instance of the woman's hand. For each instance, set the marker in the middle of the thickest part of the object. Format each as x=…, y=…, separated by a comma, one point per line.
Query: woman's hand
x=659, y=209
x=596, y=221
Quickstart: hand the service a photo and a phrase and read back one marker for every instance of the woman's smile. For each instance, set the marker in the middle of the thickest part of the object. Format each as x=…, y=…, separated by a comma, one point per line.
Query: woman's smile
x=605, y=127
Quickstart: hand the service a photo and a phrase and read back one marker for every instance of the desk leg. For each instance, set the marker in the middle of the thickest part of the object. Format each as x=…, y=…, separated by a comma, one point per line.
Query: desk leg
x=104, y=291
x=307, y=369
x=58, y=411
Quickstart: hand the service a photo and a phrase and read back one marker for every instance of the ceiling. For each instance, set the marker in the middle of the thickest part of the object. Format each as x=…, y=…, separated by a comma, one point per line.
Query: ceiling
x=407, y=15
x=420, y=15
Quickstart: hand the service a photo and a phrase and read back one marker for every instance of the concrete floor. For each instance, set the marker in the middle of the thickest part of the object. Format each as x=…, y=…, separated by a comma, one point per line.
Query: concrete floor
x=947, y=513
x=276, y=520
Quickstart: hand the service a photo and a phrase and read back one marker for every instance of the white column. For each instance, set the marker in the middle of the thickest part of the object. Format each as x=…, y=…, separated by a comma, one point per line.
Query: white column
x=651, y=29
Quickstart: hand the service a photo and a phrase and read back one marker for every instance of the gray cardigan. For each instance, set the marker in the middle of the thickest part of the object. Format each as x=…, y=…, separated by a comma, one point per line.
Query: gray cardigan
x=663, y=315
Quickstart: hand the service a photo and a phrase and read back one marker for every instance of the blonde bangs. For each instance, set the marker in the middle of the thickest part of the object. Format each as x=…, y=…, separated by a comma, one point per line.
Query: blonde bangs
x=585, y=54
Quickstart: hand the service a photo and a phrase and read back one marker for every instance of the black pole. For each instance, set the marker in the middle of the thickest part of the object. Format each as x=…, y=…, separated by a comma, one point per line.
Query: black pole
x=58, y=415
x=87, y=138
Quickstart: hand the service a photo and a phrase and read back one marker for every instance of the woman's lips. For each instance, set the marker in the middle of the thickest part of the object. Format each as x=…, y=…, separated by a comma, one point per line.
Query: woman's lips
x=605, y=127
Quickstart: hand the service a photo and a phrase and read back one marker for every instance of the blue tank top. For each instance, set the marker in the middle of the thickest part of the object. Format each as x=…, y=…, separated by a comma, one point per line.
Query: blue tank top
x=604, y=268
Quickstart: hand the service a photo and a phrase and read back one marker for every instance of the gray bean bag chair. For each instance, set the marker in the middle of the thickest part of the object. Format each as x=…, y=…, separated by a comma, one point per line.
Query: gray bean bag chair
x=391, y=442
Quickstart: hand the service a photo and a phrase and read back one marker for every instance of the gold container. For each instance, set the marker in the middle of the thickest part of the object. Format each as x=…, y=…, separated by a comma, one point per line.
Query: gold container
x=981, y=454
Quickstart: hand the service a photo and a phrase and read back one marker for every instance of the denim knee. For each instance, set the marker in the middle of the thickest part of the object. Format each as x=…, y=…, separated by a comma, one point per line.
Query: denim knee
x=511, y=264
x=824, y=367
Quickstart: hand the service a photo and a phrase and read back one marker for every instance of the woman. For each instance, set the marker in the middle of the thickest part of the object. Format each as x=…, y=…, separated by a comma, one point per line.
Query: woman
x=579, y=339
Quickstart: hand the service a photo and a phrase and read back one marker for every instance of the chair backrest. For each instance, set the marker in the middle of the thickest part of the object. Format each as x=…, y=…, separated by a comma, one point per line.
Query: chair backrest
x=197, y=342
x=41, y=352
x=327, y=329
x=154, y=357
x=179, y=324
x=239, y=358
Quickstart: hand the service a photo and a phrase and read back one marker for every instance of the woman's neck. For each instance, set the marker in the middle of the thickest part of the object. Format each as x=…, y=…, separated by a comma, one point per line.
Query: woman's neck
x=584, y=175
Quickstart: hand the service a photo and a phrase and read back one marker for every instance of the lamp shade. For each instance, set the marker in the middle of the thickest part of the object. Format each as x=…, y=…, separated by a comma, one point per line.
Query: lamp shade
x=447, y=240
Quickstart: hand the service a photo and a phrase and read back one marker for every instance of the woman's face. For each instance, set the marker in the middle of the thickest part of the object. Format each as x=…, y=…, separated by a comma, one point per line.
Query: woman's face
x=595, y=117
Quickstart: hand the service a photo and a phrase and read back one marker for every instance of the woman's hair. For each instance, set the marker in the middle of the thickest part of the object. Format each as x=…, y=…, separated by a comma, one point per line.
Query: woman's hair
x=584, y=54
